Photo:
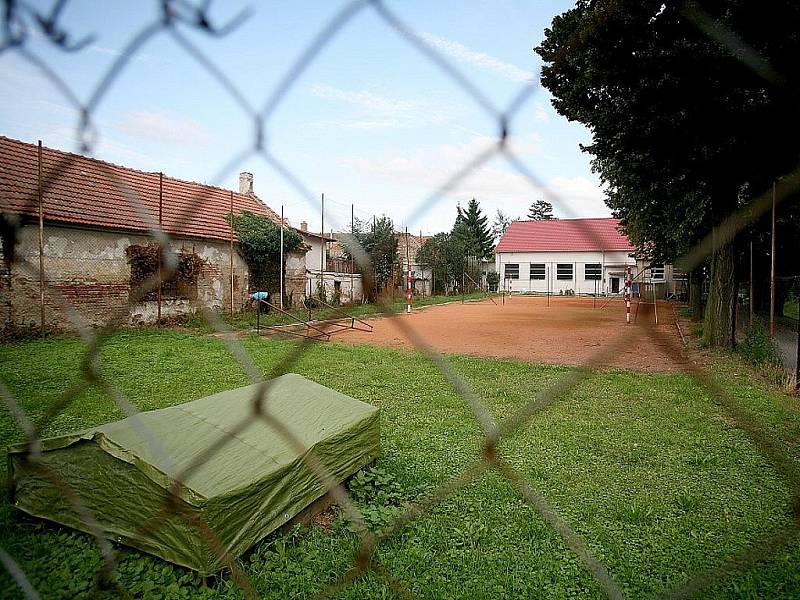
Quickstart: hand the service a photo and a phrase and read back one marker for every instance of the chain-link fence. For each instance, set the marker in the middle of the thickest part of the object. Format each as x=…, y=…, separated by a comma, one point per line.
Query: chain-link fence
x=109, y=267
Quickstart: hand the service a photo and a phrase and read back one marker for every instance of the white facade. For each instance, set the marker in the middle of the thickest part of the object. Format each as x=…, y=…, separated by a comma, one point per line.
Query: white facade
x=562, y=272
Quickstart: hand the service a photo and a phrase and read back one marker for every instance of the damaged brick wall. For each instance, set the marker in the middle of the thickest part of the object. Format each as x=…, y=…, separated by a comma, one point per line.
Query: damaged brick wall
x=89, y=270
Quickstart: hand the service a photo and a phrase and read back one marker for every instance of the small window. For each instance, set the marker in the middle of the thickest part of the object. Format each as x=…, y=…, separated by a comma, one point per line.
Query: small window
x=592, y=271
x=537, y=271
x=564, y=271
x=512, y=271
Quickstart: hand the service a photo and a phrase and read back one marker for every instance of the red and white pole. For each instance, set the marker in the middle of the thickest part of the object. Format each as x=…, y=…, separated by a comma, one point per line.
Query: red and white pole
x=628, y=296
x=408, y=308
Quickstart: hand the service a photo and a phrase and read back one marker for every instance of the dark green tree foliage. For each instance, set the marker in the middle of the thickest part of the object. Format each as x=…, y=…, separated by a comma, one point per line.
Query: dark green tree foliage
x=445, y=255
x=260, y=246
x=681, y=122
x=541, y=210
x=472, y=231
x=377, y=245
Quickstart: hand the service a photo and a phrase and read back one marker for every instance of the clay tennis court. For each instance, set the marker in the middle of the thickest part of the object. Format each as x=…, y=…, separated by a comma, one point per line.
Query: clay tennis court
x=571, y=331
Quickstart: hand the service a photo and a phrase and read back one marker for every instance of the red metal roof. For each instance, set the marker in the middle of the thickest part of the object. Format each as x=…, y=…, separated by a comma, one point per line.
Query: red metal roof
x=575, y=235
x=90, y=192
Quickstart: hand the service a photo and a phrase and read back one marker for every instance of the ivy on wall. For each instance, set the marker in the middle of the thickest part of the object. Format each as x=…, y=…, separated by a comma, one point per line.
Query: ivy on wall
x=260, y=246
x=179, y=284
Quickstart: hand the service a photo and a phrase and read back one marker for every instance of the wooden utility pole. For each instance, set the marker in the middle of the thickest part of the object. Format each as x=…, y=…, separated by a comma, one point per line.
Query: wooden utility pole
x=772, y=272
x=41, y=245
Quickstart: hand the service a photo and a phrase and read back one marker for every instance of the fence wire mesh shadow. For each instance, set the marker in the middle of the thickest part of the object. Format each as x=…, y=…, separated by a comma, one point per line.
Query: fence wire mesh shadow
x=175, y=18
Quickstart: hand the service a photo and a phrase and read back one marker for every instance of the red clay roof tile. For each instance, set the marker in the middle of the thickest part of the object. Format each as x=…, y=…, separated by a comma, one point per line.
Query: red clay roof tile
x=576, y=235
x=90, y=192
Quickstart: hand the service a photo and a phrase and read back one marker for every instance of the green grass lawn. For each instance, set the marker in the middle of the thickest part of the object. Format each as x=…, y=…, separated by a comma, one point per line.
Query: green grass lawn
x=791, y=309
x=647, y=469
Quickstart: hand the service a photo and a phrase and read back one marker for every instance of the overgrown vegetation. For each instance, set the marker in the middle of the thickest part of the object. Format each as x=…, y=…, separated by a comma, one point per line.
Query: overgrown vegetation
x=375, y=252
x=260, y=246
x=651, y=471
x=179, y=272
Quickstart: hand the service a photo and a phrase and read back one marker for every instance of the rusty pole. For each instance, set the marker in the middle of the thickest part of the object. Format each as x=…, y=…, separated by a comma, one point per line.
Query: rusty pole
x=231, y=252
x=281, y=258
x=323, y=247
x=41, y=244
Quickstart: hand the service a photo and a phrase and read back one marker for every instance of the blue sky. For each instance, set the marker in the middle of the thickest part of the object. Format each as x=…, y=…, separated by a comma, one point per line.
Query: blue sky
x=371, y=121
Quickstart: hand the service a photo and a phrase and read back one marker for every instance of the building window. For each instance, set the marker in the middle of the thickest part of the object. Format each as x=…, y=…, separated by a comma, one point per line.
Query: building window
x=592, y=271
x=537, y=271
x=512, y=271
x=657, y=273
x=564, y=271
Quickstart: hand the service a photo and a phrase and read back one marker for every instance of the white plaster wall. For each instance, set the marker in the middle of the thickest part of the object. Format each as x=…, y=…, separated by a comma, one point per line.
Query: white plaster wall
x=612, y=264
x=351, y=286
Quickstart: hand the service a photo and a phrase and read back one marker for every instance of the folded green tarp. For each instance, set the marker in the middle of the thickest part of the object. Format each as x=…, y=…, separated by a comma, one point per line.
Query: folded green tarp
x=241, y=490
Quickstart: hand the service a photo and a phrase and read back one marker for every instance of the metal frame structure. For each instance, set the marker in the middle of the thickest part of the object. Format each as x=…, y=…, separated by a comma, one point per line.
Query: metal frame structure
x=311, y=324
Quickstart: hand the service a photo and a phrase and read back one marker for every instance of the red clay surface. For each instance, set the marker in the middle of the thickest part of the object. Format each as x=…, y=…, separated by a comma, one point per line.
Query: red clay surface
x=568, y=332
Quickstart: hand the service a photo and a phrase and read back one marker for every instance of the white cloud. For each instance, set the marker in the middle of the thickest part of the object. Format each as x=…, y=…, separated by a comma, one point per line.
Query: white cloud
x=165, y=128
x=365, y=99
x=372, y=110
x=495, y=184
x=477, y=59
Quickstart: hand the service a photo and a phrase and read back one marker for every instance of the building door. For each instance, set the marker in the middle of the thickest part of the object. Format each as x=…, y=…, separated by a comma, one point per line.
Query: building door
x=615, y=285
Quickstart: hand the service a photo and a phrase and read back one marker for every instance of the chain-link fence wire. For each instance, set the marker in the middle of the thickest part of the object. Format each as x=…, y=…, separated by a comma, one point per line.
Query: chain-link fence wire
x=174, y=18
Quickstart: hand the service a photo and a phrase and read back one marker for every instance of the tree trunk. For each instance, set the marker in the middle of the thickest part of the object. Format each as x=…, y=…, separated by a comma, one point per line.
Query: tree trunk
x=696, y=294
x=719, y=327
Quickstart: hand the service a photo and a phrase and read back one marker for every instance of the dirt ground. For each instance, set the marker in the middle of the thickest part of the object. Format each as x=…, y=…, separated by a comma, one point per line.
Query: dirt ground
x=571, y=331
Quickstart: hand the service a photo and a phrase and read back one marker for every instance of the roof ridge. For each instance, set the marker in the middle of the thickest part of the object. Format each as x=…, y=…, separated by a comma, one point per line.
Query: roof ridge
x=131, y=169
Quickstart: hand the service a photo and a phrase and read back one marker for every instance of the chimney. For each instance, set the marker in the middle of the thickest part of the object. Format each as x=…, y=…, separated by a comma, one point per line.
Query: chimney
x=245, y=183
x=303, y=226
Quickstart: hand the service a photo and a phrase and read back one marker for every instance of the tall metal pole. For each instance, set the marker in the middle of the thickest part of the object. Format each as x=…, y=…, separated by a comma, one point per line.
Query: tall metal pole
x=281, y=268
x=160, y=249
x=408, y=267
x=352, y=258
x=322, y=233
x=772, y=272
x=797, y=357
x=752, y=284
x=41, y=245
x=231, y=252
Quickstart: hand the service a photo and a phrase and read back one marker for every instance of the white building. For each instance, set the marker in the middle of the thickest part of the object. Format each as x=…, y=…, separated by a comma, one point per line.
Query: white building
x=580, y=256
x=338, y=276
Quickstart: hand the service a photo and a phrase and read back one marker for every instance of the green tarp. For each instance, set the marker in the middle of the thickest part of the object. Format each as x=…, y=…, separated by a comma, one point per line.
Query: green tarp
x=240, y=492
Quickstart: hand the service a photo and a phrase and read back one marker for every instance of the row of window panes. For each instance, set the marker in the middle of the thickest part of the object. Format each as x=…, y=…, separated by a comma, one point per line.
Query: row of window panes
x=564, y=271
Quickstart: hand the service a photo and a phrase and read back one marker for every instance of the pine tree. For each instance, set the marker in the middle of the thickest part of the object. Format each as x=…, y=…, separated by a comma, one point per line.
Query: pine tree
x=471, y=230
x=501, y=223
x=541, y=210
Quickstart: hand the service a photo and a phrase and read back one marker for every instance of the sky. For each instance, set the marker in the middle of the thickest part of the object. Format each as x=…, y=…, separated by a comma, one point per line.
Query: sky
x=370, y=122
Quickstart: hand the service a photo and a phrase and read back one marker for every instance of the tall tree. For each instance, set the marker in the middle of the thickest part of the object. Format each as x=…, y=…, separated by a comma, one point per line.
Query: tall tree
x=500, y=225
x=688, y=103
x=541, y=210
x=377, y=245
x=472, y=231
